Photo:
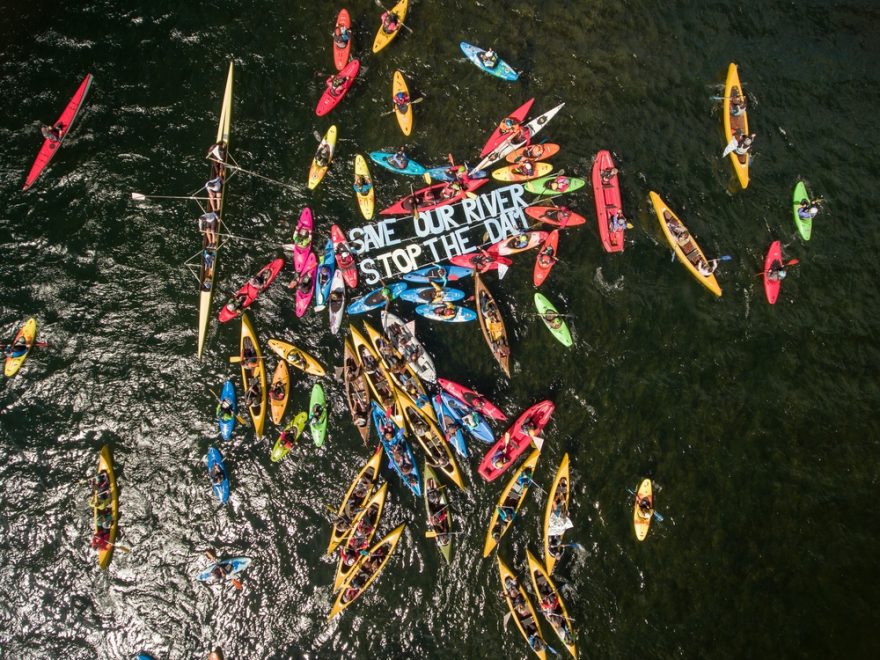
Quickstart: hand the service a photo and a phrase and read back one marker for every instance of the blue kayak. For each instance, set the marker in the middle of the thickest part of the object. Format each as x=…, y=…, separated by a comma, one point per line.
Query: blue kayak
x=449, y=425
x=219, y=486
x=471, y=421
x=430, y=274
x=426, y=294
x=231, y=567
x=324, y=276
x=382, y=423
x=227, y=425
x=501, y=69
x=457, y=315
x=382, y=158
x=375, y=299
x=442, y=173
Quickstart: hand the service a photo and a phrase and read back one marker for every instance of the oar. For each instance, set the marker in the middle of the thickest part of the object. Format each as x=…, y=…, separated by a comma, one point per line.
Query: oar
x=430, y=534
x=140, y=197
x=259, y=176
x=567, y=316
x=238, y=417
x=791, y=262
x=413, y=102
x=402, y=24
x=36, y=344
x=533, y=483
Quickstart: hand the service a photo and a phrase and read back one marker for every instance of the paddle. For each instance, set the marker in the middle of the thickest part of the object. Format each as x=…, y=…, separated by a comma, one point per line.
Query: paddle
x=576, y=546
x=401, y=23
x=238, y=417
x=430, y=534
x=413, y=102
x=566, y=316
x=118, y=547
x=533, y=483
x=415, y=203
x=791, y=262
x=140, y=197
x=36, y=344
x=730, y=147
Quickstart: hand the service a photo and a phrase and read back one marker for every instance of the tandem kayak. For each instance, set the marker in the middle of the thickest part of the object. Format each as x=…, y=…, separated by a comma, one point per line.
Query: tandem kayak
x=345, y=261
x=554, y=185
x=28, y=332
x=432, y=197
x=218, y=475
x=302, y=239
x=231, y=568
x=375, y=299
x=502, y=132
x=400, y=456
x=560, y=216
x=288, y=437
x=736, y=125
x=342, y=48
x=606, y=192
x=519, y=138
x=527, y=621
x=384, y=158
x=317, y=169
x=556, y=519
x=367, y=200
x=227, y=395
x=472, y=398
x=546, y=258
x=324, y=276
x=318, y=425
x=470, y=420
x=555, y=612
x=550, y=317
x=430, y=274
x=364, y=524
x=430, y=438
x=439, y=515
x=248, y=294
x=429, y=294
x=104, y=539
x=355, y=387
x=771, y=286
x=452, y=431
x=355, y=498
x=446, y=312
x=331, y=98
x=492, y=325
x=500, y=69
x=510, y=502
x=385, y=36
x=296, y=357
x=515, y=440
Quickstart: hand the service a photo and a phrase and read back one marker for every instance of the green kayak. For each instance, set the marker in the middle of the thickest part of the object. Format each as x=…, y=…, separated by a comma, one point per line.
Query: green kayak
x=545, y=309
x=288, y=437
x=318, y=423
x=805, y=227
x=554, y=185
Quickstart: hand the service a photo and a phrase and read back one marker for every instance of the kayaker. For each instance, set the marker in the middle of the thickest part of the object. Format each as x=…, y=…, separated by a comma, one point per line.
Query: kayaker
x=533, y=152
x=335, y=299
x=509, y=125
x=489, y=58
x=208, y=223
x=102, y=487
x=525, y=168
x=101, y=539
x=16, y=349
x=217, y=152
x=808, y=209
x=302, y=237
x=547, y=257
x=553, y=320
x=278, y=391
x=559, y=184
x=341, y=36
x=259, y=280
x=445, y=310
x=506, y=513
x=401, y=101
x=519, y=241
x=305, y=283
x=316, y=414
x=224, y=411
x=522, y=481
x=706, y=268
x=776, y=272
x=252, y=398
x=534, y=639
x=53, y=133
x=390, y=22
x=249, y=358
x=335, y=84
x=362, y=185
x=607, y=174
x=645, y=508
x=560, y=214
x=521, y=137
x=297, y=360
x=322, y=156
x=215, y=189
x=437, y=295
x=737, y=105
x=617, y=221
x=399, y=160
x=236, y=303
x=744, y=144
x=400, y=457
x=217, y=476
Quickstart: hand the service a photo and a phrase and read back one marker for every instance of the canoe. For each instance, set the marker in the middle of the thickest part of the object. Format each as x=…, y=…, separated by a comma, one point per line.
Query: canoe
x=438, y=512
x=470, y=420
x=104, y=544
x=805, y=227
x=278, y=406
x=227, y=426
x=546, y=258
x=516, y=173
x=771, y=287
x=303, y=248
x=545, y=307
x=361, y=577
x=528, y=624
x=28, y=331
x=517, y=139
x=329, y=99
x=324, y=276
x=685, y=247
x=402, y=336
x=427, y=294
x=501, y=69
x=407, y=469
x=305, y=285
x=336, y=301
x=256, y=372
x=557, y=616
x=221, y=487
x=499, y=457
x=341, y=52
x=363, y=528
x=358, y=493
x=734, y=126
x=382, y=158
x=563, y=184
x=296, y=357
x=560, y=216
x=482, y=261
x=473, y=399
x=316, y=171
x=355, y=387
x=444, y=274
x=63, y=124
x=492, y=325
x=375, y=374
x=556, y=519
x=405, y=116
x=384, y=38
x=642, y=523
x=451, y=428
x=318, y=425
x=432, y=197
x=607, y=197
x=540, y=151
x=374, y=299
x=511, y=500
x=248, y=293
x=367, y=201
x=439, y=312
x=501, y=132
x=431, y=440
x=519, y=243
x=232, y=566
x=208, y=268
x=345, y=260
x=396, y=367
x=293, y=432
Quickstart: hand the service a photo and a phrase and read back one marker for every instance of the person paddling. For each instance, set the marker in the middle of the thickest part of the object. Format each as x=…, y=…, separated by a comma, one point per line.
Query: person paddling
x=16, y=349
x=808, y=209
x=489, y=58
x=390, y=22
x=53, y=133
x=776, y=272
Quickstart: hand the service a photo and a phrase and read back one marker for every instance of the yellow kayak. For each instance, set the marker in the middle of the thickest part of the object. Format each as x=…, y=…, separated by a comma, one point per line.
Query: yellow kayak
x=551, y=604
x=736, y=125
x=378, y=379
x=369, y=515
x=297, y=357
x=685, y=247
x=366, y=478
x=405, y=119
x=438, y=453
x=105, y=546
x=317, y=172
x=560, y=494
x=29, y=332
x=366, y=202
x=512, y=497
x=278, y=406
x=257, y=371
x=384, y=38
x=406, y=380
x=642, y=519
x=510, y=583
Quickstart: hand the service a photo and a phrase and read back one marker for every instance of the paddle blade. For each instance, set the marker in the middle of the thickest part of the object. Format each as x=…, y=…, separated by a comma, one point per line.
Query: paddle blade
x=730, y=147
x=235, y=359
x=236, y=583
x=506, y=619
x=502, y=271
x=138, y=196
x=538, y=442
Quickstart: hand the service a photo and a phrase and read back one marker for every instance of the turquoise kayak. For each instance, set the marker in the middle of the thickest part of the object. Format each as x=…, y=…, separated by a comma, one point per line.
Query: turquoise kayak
x=374, y=299
x=426, y=294
x=501, y=69
x=231, y=568
x=383, y=158
x=457, y=314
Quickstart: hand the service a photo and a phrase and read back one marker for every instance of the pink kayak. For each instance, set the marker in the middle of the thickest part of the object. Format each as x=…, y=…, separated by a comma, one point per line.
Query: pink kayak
x=518, y=243
x=480, y=261
x=344, y=257
x=502, y=132
x=607, y=196
x=302, y=251
x=771, y=287
x=305, y=286
x=330, y=99
x=473, y=399
x=432, y=197
x=249, y=292
x=515, y=441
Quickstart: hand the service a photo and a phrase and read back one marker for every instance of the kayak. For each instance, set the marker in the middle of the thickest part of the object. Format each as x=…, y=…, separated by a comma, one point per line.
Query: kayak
x=452, y=430
x=377, y=377
x=438, y=512
x=538, y=151
x=336, y=301
x=430, y=274
x=501, y=133
x=256, y=372
x=607, y=196
x=516, y=172
x=65, y=121
x=296, y=357
x=374, y=299
x=519, y=243
x=426, y=294
x=432, y=197
x=295, y=428
x=341, y=53
x=805, y=227
x=470, y=420
x=685, y=247
x=528, y=624
x=407, y=469
x=402, y=336
x=367, y=201
x=305, y=287
x=316, y=171
x=546, y=258
x=482, y=261
x=518, y=139
x=734, y=126
x=208, y=267
x=510, y=502
x=448, y=173
x=355, y=387
x=228, y=426
x=105, y=545
x=231, y=567
x=318, y=425
x=560, y=216
x=499, y=458
x=500, y=69
x=324, y=276
x=362, y=577
x=344, y=257
x=556, y=616
x=404, y=115
x=458, y=315
x=383, y=158
x=249, y=293
x=28, y=331
x=362, y=485
x=473, y=399
x=641, y=523
x=383, y=38
x=278, y=406
x=545, y=185
x=492, y=325
x=430, y=438
x=363, y=526
x=302, y=250
x=221, y=489
x=544, y=306
x=556, y=519
x=771, y=287
x=330, y=99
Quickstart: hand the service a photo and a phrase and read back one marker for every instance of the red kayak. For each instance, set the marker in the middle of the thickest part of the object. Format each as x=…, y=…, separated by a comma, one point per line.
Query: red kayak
x=330, y=99
x=432, y=197
x=247, y=294
x=341, y=53
x=519, y=243
x=502, y=132
x=473, y=399
x=771, y=287
x=344, y=257
x=561, y=216
x=501, y=456
x=305, y=286
x=480, y=261
x=607, y=195
x=546, y=258
x=63, y=127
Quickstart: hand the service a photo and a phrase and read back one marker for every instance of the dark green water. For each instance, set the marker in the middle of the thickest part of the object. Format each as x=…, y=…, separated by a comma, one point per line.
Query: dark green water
x=758, y=423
